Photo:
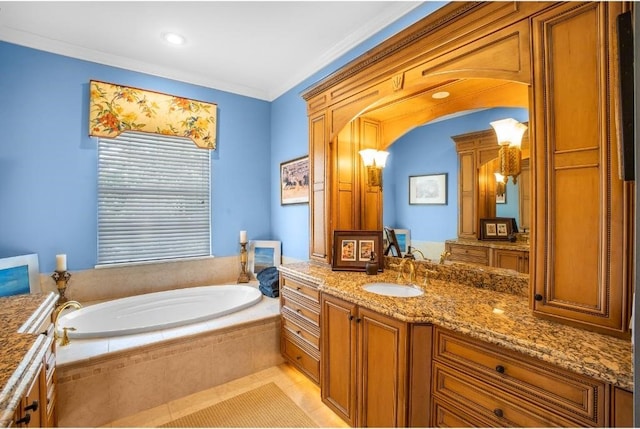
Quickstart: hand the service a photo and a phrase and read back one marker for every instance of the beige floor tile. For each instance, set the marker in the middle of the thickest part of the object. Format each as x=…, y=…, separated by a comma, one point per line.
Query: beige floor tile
x=153, y=417
x=298, y=387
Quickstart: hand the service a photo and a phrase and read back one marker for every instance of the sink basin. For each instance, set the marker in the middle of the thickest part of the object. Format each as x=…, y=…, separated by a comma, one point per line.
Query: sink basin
x=393, y=289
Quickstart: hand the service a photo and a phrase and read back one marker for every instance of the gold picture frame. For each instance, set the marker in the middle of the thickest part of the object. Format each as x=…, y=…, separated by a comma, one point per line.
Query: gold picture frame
x=352, y=249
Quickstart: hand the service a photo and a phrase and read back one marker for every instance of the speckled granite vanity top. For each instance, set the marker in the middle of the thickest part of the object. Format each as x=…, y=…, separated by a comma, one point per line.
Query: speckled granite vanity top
x=22, y=347
x=496, y=317
x=507, y=245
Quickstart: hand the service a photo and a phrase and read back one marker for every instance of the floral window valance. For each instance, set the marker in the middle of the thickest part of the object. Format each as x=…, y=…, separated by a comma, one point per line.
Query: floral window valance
x=114, y=109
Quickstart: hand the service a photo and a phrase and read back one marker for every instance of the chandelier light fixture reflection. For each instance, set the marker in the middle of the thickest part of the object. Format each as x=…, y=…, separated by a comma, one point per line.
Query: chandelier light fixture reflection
x=509, y=133
x=374, y=160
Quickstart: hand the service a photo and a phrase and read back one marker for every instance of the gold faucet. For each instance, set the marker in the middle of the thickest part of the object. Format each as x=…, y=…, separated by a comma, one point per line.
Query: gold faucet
x=412, y=270
x=443, y=256
x=56, y=314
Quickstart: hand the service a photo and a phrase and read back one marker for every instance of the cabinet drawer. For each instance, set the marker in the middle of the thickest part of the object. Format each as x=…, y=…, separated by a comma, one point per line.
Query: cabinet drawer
x=493, y=404
x=301, y=359
x=475, y=254
x=297, y=287
x=447, y=416
x=292, y=329
x=569, y=394
x=308, y=313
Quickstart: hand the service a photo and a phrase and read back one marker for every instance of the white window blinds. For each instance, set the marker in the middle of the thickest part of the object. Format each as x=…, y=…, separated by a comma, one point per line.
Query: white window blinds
x=153, y=198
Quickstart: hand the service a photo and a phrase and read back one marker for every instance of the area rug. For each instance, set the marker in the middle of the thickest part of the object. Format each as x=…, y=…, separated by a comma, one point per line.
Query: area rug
x=266, y=406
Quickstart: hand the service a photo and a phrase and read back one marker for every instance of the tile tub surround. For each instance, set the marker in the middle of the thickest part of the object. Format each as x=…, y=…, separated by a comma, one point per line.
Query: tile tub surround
x=471, y=311
x=117, y=282
x=102, y=380
x=22, y=348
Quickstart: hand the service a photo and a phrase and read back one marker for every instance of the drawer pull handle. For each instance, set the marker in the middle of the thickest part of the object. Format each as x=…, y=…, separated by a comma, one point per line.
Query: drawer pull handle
x=500, y=369
x=298, y=288
x=537, y=297
x=298, y=311
x=33, y=406
x=25, y=420
x=298, y=332
x=298, y=357
x=498, y=412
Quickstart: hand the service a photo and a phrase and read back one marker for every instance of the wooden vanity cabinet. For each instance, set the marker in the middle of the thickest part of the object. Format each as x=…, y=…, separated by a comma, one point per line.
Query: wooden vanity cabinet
x=491, y=386
x=583, y=218
x=517, y=260
x=300, y=325
x=469, y=253
x=29, y=412
x=375, y=369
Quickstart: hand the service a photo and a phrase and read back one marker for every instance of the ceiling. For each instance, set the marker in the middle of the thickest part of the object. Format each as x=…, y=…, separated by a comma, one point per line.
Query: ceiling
x=259, y=49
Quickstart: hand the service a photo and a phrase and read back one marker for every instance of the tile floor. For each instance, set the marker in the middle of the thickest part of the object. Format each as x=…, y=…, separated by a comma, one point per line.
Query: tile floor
x=299, y=388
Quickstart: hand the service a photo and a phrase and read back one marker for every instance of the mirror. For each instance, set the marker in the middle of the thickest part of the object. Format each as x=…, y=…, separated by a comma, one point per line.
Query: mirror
x=429, y=149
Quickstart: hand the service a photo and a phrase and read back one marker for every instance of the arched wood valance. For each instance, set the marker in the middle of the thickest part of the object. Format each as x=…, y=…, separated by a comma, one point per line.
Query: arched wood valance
x=114, y=109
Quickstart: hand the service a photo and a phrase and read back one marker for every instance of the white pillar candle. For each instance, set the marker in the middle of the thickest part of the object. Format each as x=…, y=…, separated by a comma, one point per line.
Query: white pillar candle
x=61, y=262
x=243, y=236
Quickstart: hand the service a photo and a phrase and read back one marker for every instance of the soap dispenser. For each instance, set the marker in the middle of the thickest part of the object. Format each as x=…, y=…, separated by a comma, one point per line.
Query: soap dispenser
x=372, y=266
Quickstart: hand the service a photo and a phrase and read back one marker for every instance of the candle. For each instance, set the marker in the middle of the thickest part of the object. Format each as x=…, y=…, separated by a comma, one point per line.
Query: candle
x=61, y=262
x=243, y=236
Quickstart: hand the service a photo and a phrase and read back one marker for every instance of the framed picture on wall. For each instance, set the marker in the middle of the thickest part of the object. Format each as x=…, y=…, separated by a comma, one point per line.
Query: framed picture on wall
x=294, y=181
x=428, y=189
x=353, y=249
x=263, y=254
x=502, y=198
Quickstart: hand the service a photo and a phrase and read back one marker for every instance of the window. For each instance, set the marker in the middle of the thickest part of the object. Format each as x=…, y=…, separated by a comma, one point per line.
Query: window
x=153, y=198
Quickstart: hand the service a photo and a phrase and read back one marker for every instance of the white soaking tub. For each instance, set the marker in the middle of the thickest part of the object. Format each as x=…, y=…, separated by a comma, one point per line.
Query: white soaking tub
x=158, y=310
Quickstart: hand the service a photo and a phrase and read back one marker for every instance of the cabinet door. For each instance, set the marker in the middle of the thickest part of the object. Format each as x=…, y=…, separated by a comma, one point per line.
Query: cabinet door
x=319, y=194
x=467, y=178
x=582, y=209
x=382, y=385
x=511, y=259
x=338, y=357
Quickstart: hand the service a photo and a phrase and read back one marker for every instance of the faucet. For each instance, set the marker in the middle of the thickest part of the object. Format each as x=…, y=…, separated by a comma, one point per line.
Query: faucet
x=412, y=270
x=443, y=256
x=56, y=315
x=410, y=254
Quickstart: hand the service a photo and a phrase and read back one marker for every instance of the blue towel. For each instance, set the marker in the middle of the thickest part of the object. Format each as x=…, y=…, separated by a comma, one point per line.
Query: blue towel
x=269, y=279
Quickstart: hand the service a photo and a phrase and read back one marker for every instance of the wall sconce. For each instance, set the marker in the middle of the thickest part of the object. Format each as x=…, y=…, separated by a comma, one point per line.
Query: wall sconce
x=509, y=133
x=374, y=160
x=501, y=182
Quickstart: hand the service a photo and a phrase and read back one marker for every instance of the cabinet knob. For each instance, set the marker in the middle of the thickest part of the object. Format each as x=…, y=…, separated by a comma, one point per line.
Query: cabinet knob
x=537, y=297
x=500, y=369
x=298, y=357
x=358, y=320
x=498, y=412
x=33, y=406
x=351, y=317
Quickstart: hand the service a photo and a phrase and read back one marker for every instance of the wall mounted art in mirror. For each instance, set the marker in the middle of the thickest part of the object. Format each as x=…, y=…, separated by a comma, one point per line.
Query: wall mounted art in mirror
x=428, y=189
x=396, y=241
x=352, y=249
x=498, y=229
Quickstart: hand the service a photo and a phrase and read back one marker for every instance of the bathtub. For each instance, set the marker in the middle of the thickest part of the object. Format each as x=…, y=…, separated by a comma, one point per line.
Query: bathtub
x=158, y=310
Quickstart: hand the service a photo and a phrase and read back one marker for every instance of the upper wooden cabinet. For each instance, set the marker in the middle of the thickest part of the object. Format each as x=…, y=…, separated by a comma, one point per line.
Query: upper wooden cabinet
x=583, y=211
x=558, y=60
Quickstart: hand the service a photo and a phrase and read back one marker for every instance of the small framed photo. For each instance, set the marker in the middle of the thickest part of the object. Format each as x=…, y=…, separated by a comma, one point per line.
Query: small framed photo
x=263, y=254
x=353, y=249
x=294, y=181
x=428, y=189
x=501, y=198
x=501, y=228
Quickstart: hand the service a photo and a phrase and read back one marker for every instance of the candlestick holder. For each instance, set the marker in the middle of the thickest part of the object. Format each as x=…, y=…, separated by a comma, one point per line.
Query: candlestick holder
x=61, y=278
x=244, y=276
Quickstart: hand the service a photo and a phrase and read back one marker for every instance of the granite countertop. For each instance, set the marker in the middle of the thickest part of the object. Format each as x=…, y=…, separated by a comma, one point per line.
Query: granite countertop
x=507, y=245
x=23, y=349
x=500, y=318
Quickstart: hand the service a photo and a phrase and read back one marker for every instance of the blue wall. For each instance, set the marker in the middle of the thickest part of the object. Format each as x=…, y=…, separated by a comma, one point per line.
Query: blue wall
x=48, y=165
x=429, y=149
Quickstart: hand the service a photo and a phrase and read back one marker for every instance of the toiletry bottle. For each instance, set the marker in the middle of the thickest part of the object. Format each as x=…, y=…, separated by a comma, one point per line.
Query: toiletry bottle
x=372, y=266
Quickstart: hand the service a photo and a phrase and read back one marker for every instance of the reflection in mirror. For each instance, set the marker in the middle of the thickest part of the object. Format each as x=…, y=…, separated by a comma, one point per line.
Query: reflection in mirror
x=429, y=149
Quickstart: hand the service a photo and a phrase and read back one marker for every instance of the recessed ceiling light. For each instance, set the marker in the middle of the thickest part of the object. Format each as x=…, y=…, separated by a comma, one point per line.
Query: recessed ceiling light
x=439, y=95
x=173, y=38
